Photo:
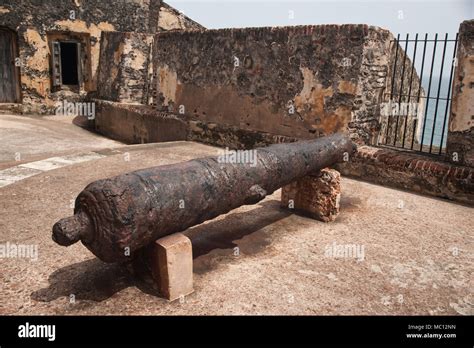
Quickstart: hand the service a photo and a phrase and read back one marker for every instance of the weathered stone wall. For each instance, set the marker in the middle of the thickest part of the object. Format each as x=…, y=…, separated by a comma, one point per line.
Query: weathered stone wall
x=298, y=82
x=231, y=137
x=371, y=83
x=137, y=124
x=396, y=112
x=171, y=19
x=460, y=141
x=34, y=20
x=124, y=66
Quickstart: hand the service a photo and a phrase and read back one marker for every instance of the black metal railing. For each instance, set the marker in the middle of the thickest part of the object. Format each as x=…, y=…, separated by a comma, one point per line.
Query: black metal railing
x=415, y=110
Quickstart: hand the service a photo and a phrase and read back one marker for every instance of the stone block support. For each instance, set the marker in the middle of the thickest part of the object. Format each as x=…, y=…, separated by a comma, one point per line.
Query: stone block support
x=316, y=196
x=172, y=266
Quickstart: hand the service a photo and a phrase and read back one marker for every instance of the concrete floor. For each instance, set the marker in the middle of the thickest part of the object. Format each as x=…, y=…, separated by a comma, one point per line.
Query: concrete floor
x=25, y=139
x=417, y=250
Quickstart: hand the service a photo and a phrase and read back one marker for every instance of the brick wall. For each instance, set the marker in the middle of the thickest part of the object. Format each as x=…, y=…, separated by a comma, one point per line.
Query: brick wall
x=412, y=172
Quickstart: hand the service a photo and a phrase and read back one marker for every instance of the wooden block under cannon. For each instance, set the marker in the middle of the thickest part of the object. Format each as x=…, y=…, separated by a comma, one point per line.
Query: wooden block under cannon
x=315, y=195
x=172, y=266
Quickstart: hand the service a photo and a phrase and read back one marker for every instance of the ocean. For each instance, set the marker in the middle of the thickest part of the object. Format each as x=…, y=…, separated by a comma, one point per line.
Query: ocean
x=439, y=109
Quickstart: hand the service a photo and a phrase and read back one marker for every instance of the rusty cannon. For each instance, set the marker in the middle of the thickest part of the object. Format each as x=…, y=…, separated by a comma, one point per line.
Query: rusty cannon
x=116, y=217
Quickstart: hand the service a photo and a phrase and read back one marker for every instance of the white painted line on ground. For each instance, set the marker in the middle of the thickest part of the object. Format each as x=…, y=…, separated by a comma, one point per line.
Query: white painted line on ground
x=62, y=161
x=14, y=174
x=11, y=175
x=84, y=157
x=44, y=165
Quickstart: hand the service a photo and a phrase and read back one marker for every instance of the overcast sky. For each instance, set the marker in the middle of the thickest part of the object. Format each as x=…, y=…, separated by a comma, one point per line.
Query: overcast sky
x=399, y=16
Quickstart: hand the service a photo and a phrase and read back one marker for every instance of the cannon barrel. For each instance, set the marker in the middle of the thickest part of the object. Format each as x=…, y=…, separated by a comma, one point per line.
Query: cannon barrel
x=116, y=217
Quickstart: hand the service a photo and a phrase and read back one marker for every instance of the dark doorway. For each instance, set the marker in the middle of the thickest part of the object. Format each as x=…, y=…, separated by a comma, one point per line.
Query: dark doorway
x=69, y=63
x=9, y=77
